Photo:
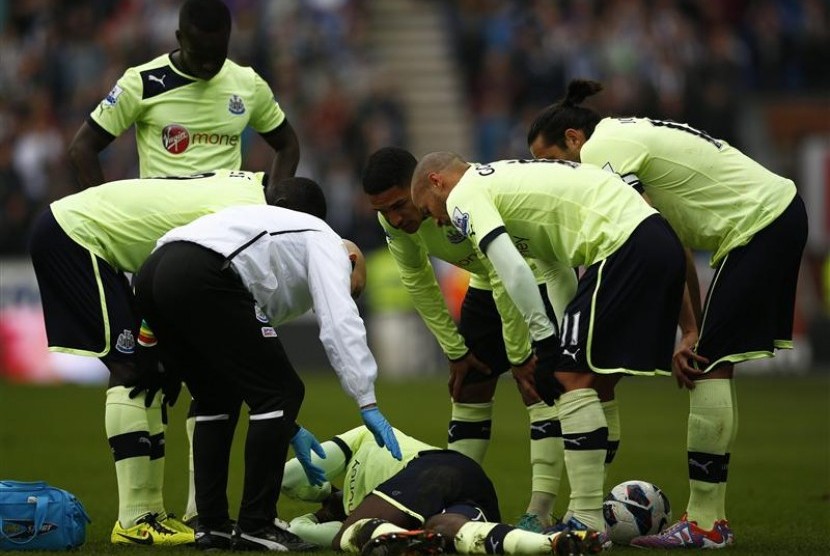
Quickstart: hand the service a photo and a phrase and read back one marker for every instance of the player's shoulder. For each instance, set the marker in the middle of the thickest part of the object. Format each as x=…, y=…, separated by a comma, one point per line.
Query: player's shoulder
x=238, y=72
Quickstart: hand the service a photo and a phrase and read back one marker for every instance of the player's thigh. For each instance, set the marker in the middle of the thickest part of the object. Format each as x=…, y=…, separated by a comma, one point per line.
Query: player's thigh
x=87, y=304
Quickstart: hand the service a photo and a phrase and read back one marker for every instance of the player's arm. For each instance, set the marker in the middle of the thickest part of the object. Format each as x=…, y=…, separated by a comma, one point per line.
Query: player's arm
x=286, y=152
x=418, y=277
x=271, y=122
x=520, y=284
x=83, y=154
x=114, y=114
x=684, y=359
x=343, y=335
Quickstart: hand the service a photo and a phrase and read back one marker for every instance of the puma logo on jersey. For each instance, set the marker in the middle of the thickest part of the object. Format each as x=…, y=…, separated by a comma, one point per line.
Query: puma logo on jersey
x=702, y=466
x=159, y=80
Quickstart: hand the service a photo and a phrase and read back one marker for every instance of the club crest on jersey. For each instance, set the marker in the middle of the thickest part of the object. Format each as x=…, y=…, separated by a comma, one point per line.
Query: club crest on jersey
x=461, y=220
x=260, y=314
x=126, y=342
x=235, y=105
x=112, y=97
x=175, y=138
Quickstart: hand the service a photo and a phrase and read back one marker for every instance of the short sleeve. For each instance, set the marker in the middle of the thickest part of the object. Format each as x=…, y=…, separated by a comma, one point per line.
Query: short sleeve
x=267, y=114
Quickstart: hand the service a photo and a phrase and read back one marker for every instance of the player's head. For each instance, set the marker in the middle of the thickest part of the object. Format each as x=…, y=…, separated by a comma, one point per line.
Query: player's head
x=358, y=268
x=300, y=194
x=386, y=180
x=203, y=35
x=560, y=130
x=434, y=178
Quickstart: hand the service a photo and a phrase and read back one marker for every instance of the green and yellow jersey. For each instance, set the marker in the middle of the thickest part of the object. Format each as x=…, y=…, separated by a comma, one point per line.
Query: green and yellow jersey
x=715, y=197
x=368, y=465
x=121, y=221
x=553, y=210
x=184, y=124
x=411, y=253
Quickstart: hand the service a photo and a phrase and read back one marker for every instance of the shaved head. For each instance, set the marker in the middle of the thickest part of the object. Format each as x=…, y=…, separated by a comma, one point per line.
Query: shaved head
x=434, y=178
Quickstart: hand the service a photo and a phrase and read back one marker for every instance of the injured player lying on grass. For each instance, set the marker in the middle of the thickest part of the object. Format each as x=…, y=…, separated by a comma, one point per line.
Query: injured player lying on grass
x=432, y=501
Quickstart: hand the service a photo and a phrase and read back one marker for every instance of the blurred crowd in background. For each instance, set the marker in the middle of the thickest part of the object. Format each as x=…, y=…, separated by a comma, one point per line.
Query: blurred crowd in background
x=689, y=60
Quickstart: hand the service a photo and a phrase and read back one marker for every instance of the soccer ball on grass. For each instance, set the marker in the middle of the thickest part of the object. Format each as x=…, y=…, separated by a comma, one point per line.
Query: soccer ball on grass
x=635, y=508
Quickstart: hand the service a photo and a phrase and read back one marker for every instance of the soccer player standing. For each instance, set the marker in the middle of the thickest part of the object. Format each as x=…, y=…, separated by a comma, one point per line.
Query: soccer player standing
x=189, y=108
x=491, y=336
x=80, y=248
x=623, y=317
x=753, y=221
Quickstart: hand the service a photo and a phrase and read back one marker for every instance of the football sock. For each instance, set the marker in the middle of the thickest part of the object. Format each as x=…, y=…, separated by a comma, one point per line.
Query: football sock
x=190, y=509
x=547, y=459
x=128, y=433
x=721, y=510
x=710, y=431
x=611, y=409
x=585, y=434
x=156, y=427
x=363, y=530
x=469, y=429
x=497, y=538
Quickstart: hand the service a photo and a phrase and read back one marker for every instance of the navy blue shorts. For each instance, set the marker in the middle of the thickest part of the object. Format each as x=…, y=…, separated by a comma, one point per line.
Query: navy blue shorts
x=88, y=305
x=624, y=316
x=749, y=308
x=437, y=480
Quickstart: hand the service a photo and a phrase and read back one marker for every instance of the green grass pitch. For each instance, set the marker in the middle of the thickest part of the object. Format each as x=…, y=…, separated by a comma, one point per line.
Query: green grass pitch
x=779, y=488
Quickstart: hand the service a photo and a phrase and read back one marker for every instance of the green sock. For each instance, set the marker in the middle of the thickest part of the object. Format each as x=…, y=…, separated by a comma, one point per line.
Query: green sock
x=547, y=459
x=710, y=431
x=469, y=430
x=156, y=428
x=585, y=435
x=497, y=538
x=722, y=484
x=190, y=510
x=611, y=409
x=129, y=437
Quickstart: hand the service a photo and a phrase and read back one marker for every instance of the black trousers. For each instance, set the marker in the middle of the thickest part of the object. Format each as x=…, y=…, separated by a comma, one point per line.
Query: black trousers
x=210, y=330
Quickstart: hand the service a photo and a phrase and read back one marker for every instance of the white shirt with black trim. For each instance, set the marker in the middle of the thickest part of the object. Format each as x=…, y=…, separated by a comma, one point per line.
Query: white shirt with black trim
x=292, y=262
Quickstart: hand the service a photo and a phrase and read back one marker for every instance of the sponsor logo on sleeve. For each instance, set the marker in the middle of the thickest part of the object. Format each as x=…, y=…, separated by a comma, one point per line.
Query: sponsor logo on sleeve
x=461, y=220
x=112, y=97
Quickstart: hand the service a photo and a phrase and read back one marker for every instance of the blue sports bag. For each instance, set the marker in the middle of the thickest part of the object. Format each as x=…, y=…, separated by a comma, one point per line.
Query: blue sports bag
x=38, y=516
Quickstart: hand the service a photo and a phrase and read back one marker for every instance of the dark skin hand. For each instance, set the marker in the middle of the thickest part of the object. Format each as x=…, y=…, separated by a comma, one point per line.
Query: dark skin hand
x=459, y=370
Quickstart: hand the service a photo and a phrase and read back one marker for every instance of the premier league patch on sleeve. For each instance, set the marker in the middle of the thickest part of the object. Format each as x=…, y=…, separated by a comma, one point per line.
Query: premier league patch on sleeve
x=269, y=332
x=112, y=97
x=461, y=220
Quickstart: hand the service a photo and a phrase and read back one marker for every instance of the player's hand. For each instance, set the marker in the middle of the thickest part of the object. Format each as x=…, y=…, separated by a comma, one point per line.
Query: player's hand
x=547, y=353
x=380, y=427
x=523, y=374
x=152, y=378
x=459, y=369
x=303, y=443
x=683, y=367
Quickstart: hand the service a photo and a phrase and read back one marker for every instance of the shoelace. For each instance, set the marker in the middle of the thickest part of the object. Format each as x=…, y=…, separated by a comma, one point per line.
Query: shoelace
x=152, y=521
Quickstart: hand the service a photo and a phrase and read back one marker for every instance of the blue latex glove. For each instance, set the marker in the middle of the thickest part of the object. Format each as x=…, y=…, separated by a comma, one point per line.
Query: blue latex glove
x=380, y=427
x=303, y=443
